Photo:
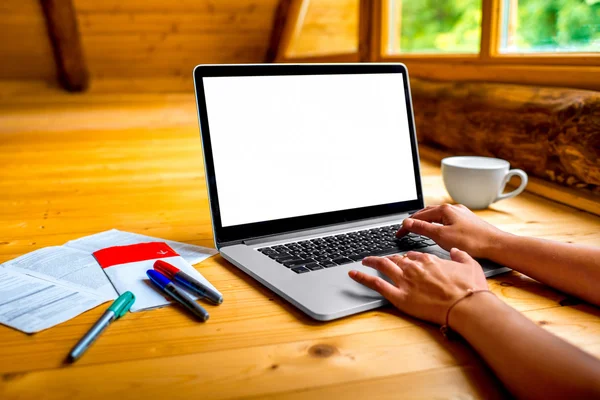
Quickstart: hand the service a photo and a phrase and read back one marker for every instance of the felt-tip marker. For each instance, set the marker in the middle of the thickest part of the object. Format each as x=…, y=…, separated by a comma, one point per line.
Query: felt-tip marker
x=187, y=281
x=164, y=284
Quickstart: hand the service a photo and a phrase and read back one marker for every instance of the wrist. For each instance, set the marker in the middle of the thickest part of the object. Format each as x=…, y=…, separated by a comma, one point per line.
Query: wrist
x=497, y=245
x=473, y=310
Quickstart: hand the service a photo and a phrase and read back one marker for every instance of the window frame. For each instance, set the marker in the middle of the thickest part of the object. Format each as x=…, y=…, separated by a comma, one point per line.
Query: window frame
x=577, y=70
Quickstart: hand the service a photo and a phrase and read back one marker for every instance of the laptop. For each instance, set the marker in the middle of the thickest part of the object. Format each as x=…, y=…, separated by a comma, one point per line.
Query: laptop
x=310, y=168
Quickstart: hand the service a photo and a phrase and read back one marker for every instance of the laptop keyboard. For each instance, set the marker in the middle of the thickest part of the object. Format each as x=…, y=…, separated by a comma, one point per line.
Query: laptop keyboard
x=331, y=251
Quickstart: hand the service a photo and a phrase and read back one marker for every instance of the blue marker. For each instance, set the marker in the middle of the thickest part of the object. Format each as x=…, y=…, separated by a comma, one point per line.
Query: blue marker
x=164, y=284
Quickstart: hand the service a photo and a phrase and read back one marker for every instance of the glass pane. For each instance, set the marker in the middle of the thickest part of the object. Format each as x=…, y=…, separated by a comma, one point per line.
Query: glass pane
x=328, y=27
x=531, y=26
x=434, y=26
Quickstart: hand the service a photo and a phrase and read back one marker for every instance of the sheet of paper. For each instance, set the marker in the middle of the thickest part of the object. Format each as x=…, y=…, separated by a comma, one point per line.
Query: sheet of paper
x=190, y=253
x=31, y=304
x=71, y=266
x=126, y=267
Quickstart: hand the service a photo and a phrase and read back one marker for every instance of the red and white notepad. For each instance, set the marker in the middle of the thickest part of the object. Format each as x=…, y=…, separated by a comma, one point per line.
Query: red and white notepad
x=126, y=268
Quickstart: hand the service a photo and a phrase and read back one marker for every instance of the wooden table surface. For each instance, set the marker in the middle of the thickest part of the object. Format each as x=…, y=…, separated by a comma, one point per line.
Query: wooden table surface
x=73, y=165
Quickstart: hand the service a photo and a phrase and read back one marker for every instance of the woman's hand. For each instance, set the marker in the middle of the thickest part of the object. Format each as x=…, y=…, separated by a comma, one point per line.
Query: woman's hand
x=425, y=286
x=459, y=228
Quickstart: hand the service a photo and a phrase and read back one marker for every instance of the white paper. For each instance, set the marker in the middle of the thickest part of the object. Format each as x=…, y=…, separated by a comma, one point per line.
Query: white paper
x=31, y=304
x=132, y=277
x=75, y=267
x=114, y=237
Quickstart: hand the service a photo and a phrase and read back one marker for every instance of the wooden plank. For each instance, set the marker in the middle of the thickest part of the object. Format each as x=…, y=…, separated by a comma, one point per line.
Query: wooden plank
x=236, y=21
x=335, y=58
x=134, y=40
x=257, y=370
x=326, y=27
x=254, y=370
x=20, y=7
x=199, y=6
x=298, y=10
x=61, y=21
x=175, y=54
x=283, y=17
x=25, y=48
x=450, y=382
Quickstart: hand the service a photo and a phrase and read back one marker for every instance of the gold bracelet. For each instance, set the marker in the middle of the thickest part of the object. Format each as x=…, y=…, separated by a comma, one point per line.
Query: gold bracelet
x=445, y=329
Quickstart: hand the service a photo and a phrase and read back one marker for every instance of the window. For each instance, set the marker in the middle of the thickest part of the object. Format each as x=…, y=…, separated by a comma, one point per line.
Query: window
x=537, y=42
x=525, y=26
x=432, y=26
x=547, y=26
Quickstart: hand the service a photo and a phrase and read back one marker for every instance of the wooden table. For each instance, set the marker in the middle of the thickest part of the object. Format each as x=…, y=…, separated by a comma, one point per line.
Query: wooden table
x=75, y=165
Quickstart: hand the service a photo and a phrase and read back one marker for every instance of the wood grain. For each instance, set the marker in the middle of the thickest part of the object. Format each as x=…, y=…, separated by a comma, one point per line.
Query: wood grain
x=329, y=27
x=132, y=39
x=75, y=166
x=24, y=45
x=135, y=39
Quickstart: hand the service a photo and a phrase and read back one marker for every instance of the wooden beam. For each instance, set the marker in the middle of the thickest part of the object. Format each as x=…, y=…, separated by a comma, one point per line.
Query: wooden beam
x=365, y=29
x=292, y=28
x=61, y=22
x=280, y=20
x=378, y=36
x=542, y=132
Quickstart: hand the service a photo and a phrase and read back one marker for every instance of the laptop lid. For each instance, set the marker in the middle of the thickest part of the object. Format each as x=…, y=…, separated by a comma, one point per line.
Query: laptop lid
x=293, y=147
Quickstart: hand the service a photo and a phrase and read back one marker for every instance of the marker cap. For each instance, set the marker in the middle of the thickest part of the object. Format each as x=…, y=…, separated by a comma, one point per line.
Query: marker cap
x=157, y=278
x=121, y=305
x=165, y=268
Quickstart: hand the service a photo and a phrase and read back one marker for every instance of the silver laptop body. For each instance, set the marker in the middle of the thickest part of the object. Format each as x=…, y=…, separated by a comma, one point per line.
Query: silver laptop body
x=307, y=162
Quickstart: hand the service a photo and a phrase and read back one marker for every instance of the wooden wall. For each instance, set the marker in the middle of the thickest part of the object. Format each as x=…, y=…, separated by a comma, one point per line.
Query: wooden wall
x=25, y=51
x=138, y=38
x=328, y=27
x=131, y=38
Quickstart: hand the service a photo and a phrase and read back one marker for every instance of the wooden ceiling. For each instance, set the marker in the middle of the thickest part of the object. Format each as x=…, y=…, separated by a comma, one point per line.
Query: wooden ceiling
x=138, y=38
x=25, y=49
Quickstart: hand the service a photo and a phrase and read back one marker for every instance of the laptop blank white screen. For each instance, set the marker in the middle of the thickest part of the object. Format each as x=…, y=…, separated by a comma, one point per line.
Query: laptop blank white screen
x=289, y=146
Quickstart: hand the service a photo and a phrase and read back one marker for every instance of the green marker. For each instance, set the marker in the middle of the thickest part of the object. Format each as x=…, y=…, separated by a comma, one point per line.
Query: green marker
x=116, y=310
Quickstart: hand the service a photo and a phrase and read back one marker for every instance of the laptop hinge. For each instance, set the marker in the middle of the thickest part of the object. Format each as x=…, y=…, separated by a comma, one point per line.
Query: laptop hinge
x=323, y=229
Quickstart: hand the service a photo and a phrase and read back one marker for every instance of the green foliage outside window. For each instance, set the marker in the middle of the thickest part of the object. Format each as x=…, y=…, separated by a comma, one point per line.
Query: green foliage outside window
x=430, y=26
x=440, y=26
x=558, y=25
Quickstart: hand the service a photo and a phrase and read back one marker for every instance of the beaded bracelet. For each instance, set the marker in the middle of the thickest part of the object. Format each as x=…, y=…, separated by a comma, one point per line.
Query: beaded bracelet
x=445, y=329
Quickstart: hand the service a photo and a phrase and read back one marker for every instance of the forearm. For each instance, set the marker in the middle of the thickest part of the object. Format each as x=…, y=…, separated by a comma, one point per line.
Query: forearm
x=531, y=362
x=571, y=268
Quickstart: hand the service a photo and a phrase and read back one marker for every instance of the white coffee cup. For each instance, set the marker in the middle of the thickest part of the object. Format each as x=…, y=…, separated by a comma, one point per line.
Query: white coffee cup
x=478, y=182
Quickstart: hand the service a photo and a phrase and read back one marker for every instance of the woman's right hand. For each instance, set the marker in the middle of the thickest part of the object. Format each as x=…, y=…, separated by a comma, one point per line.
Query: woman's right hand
x=459, y=228
x=423, y=285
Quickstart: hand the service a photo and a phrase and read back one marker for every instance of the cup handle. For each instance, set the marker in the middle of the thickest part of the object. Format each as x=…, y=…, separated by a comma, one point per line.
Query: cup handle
x=520, y=173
